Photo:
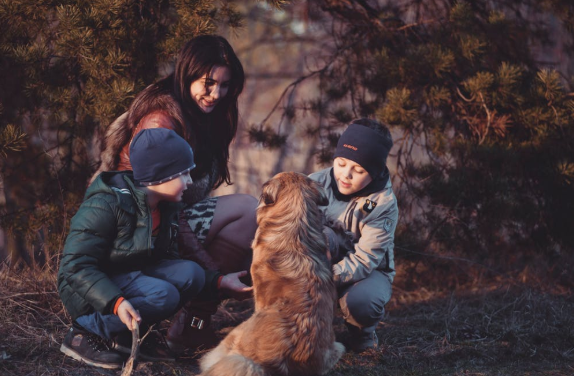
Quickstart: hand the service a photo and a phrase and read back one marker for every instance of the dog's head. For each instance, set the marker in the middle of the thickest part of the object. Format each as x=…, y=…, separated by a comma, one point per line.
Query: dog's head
x=291, y=186
x=289, y=220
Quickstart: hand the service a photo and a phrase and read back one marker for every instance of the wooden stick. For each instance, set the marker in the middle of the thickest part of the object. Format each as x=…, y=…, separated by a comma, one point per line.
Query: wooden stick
x=131, y=363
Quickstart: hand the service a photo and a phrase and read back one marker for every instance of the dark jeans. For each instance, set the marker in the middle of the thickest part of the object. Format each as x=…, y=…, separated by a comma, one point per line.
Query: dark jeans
x=156, y=292
x=363, y=303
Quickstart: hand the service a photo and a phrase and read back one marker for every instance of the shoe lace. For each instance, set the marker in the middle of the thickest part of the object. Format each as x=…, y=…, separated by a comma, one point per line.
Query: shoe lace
x=98, y=343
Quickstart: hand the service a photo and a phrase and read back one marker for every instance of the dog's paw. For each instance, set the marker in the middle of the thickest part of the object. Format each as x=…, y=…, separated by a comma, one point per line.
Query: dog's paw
x=339, y=348
x=333, y=355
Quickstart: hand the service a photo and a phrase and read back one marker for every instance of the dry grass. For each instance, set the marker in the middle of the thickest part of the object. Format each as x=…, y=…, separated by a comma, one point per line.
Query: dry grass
x=500, y=327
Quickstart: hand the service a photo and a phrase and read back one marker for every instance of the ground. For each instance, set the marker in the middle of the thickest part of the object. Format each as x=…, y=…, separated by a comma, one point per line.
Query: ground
x=496, y=327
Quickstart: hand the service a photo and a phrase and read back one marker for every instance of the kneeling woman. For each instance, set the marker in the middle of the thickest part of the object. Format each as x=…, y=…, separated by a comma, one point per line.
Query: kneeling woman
x=199, y=102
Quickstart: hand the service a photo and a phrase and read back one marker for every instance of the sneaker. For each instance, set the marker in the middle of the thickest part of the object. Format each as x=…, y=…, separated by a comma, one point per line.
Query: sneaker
x=360, y=340
x=152, y=349
x=90, y=349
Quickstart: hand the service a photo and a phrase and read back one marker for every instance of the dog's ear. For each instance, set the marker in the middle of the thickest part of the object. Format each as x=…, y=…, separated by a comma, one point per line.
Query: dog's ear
x=269, y=192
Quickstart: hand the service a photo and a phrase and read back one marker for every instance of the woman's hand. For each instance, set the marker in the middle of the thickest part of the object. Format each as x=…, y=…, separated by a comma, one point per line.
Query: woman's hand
x=234, y=288
x=127, y=313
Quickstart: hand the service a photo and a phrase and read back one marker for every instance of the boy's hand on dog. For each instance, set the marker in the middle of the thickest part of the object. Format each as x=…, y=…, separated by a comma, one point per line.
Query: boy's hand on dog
x=126, y=312
x=234, y=288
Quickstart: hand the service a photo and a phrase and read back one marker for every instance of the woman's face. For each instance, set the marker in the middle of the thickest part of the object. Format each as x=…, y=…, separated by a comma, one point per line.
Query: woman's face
x=208, y=90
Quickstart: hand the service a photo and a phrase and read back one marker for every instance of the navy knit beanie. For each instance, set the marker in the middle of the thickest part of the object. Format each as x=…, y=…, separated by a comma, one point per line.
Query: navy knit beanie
x=159, y=155
x=364, y=146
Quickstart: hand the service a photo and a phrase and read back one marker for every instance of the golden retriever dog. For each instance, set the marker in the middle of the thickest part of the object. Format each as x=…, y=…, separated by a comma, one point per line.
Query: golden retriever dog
x=291, y=330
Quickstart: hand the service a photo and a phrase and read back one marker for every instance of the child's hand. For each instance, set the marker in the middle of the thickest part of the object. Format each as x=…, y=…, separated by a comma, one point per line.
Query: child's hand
x=233, y=287
x=126, y=312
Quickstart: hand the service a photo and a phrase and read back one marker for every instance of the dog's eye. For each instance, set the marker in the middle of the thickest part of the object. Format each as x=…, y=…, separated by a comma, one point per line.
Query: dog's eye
x=267, y=199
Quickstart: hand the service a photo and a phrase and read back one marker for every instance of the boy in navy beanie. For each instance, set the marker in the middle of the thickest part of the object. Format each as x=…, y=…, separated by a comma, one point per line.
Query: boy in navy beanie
x=361, y=219
x=120, y=263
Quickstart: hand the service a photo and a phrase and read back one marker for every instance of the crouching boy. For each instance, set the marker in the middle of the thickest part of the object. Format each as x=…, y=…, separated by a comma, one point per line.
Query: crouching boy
x=361, y=219
x=120, y=261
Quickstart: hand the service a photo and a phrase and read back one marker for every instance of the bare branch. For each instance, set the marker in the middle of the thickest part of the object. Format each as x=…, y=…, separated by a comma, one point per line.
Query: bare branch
x=131, y=363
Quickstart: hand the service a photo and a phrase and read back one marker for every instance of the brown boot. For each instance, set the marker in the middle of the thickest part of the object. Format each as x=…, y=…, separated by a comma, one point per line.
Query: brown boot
x=188, y=331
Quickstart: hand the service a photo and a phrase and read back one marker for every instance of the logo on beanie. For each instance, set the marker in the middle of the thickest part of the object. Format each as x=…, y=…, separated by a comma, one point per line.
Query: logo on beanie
x=350, y=147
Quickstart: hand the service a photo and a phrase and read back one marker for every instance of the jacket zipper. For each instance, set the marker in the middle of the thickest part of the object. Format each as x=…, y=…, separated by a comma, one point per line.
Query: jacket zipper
x=349, y=214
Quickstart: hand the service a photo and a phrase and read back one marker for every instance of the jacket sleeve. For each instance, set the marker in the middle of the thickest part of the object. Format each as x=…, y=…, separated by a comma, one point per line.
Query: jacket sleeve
x=210, y=291
x=86, y=250
x=201, y=187
x=375, y=246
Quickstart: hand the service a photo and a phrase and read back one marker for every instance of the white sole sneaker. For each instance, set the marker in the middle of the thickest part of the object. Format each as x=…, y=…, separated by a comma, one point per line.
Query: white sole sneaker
x=74, y=355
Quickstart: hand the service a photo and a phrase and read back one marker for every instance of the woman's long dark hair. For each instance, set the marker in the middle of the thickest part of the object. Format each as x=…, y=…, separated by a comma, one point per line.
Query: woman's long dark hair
x=214, y=131
x=208, y=134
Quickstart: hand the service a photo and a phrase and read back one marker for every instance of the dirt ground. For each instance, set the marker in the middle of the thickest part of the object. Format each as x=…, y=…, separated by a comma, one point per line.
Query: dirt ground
x=496, y=328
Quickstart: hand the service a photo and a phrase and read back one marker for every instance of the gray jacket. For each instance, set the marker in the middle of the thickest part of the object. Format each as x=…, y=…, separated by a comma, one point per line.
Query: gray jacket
x=369, y=223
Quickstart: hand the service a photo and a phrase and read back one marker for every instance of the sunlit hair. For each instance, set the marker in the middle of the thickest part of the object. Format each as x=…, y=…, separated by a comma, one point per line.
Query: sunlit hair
x=291, y=331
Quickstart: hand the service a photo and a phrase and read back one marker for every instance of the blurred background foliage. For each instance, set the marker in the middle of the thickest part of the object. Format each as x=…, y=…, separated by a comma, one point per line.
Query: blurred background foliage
x=479, y=98
x=478, y=95
x=68, y=68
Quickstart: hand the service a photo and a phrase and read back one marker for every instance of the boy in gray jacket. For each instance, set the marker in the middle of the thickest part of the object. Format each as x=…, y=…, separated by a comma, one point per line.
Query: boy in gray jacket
x=361, y=219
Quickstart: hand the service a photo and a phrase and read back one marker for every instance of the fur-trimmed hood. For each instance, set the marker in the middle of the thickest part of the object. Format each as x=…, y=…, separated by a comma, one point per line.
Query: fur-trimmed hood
x=121, y=131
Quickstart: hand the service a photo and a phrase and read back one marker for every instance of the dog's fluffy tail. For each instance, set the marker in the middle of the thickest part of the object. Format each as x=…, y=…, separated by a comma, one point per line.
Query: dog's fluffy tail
x=235, y=365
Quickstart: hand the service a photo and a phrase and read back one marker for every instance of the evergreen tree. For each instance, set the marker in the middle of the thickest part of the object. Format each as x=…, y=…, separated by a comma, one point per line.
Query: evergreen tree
x=68, y=68
x=485, y=148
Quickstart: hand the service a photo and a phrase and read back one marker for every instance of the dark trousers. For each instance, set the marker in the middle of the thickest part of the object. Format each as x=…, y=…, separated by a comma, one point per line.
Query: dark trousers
x=363, y=303
x=156, y=292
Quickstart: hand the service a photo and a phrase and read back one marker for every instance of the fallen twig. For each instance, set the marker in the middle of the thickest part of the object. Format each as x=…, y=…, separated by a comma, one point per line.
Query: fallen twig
x=131, y=363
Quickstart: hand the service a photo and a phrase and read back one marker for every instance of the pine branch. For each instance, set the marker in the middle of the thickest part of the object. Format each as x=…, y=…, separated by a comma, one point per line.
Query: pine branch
x=11, y=139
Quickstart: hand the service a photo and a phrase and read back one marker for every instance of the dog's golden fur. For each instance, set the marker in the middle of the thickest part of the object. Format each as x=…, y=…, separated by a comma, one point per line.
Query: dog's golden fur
x=290, y=332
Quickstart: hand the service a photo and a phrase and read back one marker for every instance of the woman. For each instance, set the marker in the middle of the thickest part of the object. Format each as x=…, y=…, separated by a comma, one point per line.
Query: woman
x=199, y=102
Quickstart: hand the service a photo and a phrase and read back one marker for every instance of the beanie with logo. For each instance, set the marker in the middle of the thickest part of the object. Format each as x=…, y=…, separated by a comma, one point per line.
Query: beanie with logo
x=364, y=146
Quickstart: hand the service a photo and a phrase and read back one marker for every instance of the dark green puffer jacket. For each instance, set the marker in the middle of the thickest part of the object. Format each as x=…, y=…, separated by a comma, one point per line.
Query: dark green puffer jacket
x=111, y=232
